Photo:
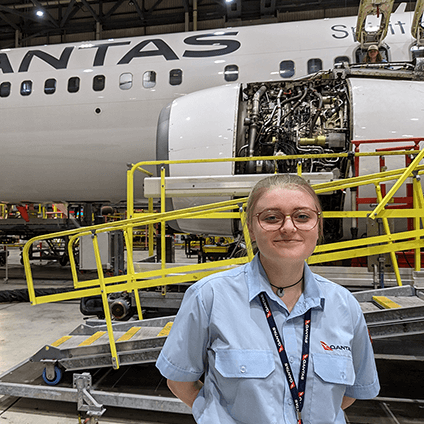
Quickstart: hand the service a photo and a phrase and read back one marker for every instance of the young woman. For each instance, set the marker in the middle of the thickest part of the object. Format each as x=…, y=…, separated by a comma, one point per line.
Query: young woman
x=373, y=55
x=275, y=342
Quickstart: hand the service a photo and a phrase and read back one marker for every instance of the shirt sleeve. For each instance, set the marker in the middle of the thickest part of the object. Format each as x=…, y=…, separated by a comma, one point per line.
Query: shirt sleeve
x=366, y=384
x=183, y=356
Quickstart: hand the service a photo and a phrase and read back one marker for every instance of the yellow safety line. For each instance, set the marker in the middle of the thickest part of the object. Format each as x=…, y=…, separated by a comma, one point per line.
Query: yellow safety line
x=165, y=330
x=92, y=338
x=385, y=302
x=129, y=334
x=61, y=341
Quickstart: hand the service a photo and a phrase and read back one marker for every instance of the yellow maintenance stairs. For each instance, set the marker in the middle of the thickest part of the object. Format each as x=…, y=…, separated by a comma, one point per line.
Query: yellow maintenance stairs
x=163, y=276
x=108, y=344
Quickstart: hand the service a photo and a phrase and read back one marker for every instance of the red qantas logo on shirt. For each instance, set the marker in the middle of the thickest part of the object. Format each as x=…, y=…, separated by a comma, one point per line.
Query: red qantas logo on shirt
x=334, y=347
x=325, y=346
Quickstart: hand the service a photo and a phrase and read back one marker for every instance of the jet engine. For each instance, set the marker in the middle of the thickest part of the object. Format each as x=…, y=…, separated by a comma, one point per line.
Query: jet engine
x=317, y=114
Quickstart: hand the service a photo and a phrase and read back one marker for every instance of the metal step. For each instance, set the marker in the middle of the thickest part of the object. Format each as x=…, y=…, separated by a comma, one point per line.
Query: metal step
x=395, y=319
x=87, y=347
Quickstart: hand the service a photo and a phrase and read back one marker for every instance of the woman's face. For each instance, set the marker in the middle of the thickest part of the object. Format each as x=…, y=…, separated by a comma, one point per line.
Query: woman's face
x=288, y=242
x=373, y=54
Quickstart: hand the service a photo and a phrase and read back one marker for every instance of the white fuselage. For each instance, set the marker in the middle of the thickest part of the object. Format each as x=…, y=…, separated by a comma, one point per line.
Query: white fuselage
x=74, y=146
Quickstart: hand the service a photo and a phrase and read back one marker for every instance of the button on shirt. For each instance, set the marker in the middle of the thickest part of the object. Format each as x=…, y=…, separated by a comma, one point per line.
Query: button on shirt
x=221, y=331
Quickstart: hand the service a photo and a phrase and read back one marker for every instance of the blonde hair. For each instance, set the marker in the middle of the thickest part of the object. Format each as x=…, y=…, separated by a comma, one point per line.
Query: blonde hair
x=285, y=181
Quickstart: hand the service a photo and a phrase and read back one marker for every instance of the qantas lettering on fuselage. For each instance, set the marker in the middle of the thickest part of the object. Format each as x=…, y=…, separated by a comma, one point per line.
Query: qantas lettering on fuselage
x=221, y=47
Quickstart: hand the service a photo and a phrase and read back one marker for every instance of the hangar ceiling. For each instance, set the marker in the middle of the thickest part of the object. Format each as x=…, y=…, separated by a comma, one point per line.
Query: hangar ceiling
x=75, y=20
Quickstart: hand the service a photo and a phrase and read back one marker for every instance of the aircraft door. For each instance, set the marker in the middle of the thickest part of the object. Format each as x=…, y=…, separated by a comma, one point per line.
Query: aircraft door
x=361, y=53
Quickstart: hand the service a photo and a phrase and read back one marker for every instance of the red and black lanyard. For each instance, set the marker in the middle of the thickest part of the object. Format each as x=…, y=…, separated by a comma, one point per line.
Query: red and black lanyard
x=298, y=393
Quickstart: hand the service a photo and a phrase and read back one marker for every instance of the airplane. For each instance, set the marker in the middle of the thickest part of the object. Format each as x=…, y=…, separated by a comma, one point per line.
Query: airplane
x=74, y=115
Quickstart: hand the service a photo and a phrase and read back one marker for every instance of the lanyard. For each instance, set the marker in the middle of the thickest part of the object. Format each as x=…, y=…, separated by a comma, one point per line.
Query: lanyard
x=298, y=394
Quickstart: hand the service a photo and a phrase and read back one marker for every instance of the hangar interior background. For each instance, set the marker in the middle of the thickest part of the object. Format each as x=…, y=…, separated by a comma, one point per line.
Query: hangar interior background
x=25, y=23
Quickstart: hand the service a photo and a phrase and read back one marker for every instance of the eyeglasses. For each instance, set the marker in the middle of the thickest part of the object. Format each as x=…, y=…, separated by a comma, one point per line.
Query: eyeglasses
x=303, y=219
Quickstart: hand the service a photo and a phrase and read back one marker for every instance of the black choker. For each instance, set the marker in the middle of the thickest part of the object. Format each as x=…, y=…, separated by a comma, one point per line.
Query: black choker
x=280, y=290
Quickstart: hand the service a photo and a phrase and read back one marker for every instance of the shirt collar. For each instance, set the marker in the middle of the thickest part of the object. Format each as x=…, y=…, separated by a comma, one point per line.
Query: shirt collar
x=257, y=282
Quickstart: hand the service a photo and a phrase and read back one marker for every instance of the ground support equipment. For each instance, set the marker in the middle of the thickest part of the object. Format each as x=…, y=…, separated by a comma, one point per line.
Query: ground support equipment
x=395, y=320
x=97, y=384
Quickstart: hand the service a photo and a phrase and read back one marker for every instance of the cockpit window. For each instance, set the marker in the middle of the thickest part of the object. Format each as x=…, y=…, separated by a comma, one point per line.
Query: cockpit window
x=314, y=65
x=231, y=73
x=286, y=69
x=149, y=79
x=5, y=89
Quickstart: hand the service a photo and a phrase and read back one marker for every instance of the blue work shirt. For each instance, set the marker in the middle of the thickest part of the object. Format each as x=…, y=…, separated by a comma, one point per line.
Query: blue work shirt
x=221, y=331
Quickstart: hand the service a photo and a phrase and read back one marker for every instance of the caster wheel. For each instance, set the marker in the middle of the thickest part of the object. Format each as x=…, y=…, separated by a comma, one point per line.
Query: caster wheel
x=58, y=373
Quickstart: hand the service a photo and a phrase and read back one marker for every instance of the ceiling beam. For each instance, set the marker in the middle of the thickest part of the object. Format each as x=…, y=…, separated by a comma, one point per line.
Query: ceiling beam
x=71, y=10
x=113, y=9
x=8, y=21
x=91, y=10
x=139, y=10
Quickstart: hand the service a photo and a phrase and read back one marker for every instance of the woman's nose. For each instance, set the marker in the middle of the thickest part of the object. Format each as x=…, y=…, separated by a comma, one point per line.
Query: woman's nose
x=288, y=224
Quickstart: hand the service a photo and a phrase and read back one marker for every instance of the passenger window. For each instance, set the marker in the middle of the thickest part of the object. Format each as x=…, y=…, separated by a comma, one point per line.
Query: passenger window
x=73, y=84
x=417, y=51
x=26, y=88
x=99, y=82
x=5, y=89
x=125, y=81
x=341, y=59
x=149, y=79
x=50, y=86
x=175, y=76
x=314, y=65
x=286, y=69
x=231, y=73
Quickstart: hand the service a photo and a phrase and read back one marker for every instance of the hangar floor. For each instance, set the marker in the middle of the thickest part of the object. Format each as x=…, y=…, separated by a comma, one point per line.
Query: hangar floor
x=24, y=329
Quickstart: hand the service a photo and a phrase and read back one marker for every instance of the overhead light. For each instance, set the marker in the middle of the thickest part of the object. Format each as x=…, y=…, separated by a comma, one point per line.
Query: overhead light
x=130, y=3
x=39, y=13
x=228, y=1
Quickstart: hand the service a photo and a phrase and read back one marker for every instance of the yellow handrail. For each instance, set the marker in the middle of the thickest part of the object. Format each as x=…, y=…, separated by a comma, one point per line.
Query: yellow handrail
x=133, y=281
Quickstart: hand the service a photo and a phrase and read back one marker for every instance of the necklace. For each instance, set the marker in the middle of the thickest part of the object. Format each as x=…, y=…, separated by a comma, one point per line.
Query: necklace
x=280, y=290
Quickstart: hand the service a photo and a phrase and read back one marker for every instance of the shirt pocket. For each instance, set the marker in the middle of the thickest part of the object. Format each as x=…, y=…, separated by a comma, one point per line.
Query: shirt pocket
x=328, y=378
x=244, y=380
x=334, y=369
x=232, y=363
